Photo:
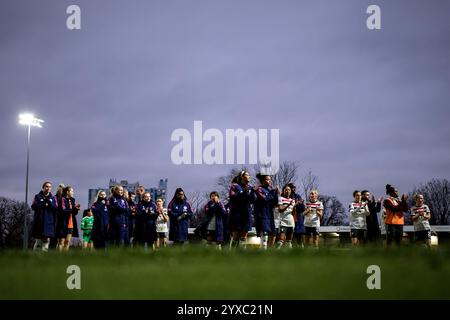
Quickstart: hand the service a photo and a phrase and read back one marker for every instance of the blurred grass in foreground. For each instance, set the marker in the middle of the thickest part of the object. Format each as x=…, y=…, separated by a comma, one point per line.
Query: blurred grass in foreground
x=198, y=273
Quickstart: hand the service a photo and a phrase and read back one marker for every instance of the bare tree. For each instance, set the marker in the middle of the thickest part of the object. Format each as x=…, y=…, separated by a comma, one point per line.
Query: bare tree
x=197, y=200
x=11, y=222
x=436, y=194
x=287, y=173
x=309, y=182
x=334, y=213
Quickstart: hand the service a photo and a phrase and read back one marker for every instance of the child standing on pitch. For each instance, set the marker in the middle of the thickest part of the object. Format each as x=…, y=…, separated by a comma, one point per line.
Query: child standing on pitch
x=161, y=224
x=87, y=224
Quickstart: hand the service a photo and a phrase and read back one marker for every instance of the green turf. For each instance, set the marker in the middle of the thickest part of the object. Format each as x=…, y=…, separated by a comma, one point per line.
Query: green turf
x=197, y=273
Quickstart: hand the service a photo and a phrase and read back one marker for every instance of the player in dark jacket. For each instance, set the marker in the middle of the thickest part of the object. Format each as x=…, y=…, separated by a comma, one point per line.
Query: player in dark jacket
x=119, y=214
x=101, y=228
x=373, y=227
x=267, y=200
x=131, y=199
x=299, y=230
x=146, y=215
x=179, y=211
x=242, y=196
x=45, y=207
x=213, y=226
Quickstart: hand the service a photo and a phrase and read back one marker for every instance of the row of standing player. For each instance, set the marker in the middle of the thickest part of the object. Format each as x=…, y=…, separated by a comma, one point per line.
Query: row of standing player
x=392, y=217
x=122, y=220
x=117, y=220
x=279, y=214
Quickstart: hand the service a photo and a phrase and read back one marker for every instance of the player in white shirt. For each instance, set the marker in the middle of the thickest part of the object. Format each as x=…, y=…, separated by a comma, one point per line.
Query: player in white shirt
x=161, y=224
x=358, y=211
x=313, y=213
x=284, y=216
x=420, y=215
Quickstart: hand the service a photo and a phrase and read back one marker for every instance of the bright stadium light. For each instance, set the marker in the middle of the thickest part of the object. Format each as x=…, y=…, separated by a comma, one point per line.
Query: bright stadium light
x=28, y=119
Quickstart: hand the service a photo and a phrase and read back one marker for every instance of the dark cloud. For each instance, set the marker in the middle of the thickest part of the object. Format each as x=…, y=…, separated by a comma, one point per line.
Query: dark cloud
x=360, y=108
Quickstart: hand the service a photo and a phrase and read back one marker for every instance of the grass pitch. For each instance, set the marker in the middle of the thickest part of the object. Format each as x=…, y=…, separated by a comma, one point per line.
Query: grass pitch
x=198, y=273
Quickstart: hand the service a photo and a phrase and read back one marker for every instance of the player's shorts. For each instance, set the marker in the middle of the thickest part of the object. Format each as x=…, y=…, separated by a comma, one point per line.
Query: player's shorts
x=358, y=233
x=277, y=231
x=287, y=230
x=161, y=235
x=422, y=235
x=394, y=232
x=312, y=231
x=87, y=238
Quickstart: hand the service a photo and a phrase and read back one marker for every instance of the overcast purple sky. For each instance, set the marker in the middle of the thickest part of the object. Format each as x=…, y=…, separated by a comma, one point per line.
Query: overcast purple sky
x=359, y=108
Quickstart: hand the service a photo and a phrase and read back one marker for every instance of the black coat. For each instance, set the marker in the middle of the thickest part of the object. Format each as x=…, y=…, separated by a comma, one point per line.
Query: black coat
x=101, y=227
x=146, y=222
x=44, y=222
x=220, y=213
x=373, y=227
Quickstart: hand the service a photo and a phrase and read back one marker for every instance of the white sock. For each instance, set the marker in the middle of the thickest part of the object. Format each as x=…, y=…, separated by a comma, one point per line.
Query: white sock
x=37, y=244
x=243, y=243
x=264, y=240
x=289, y=243
x=218, y=246
x=45, y=246
x=280, y=244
